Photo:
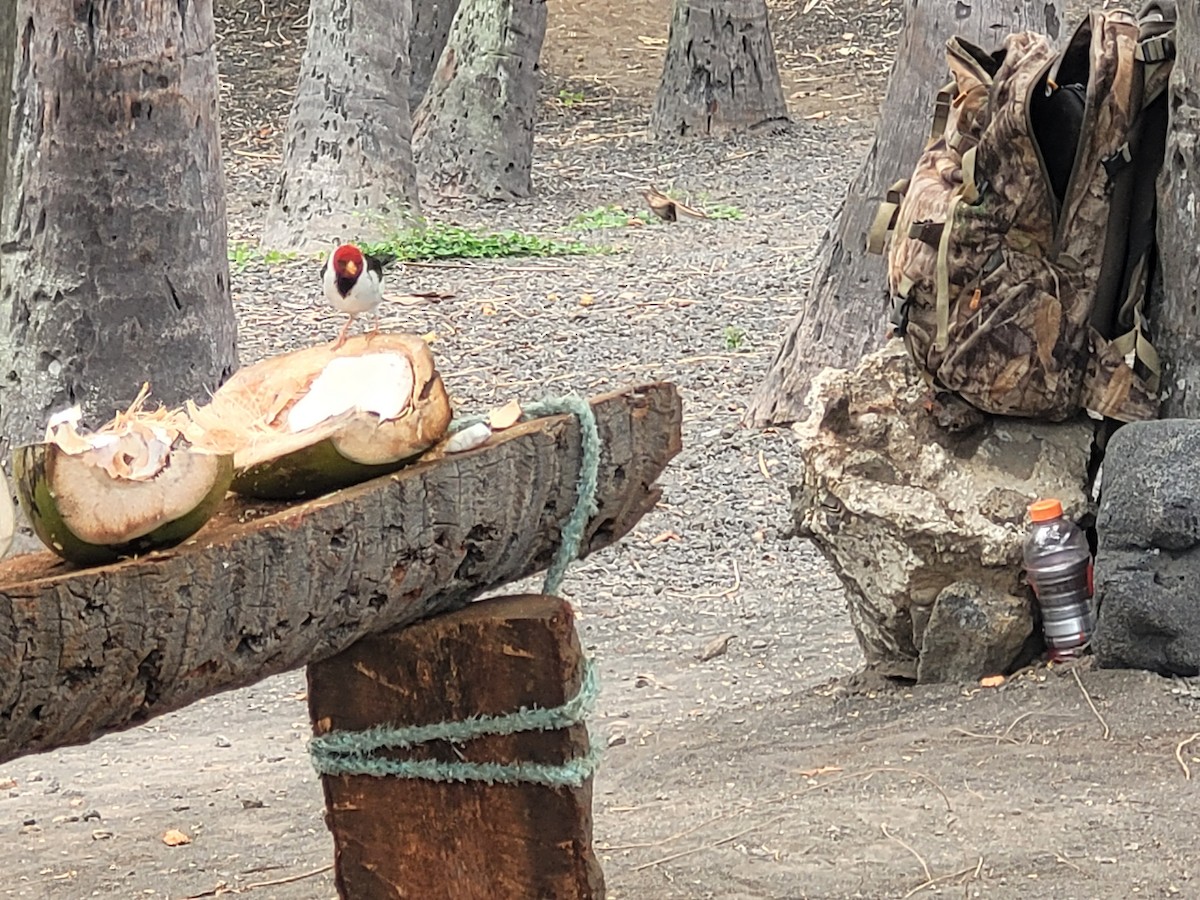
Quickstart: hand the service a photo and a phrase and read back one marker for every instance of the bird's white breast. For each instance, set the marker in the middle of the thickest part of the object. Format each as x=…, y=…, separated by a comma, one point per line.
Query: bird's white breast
x=364, y=296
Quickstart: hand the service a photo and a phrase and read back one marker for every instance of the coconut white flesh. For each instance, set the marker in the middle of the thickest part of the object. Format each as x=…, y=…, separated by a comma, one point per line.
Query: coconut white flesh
x=102, y=509
x=378, y=383
x=8, y=516
x=134, y=446
x=368, y=388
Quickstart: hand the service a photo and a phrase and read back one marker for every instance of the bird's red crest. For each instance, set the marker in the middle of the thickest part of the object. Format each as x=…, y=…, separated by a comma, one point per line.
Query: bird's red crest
x=348, y=260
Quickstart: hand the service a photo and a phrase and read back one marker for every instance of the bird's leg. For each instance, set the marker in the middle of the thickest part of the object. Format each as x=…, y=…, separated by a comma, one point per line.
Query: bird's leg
x=375, y=330
x=345, y=330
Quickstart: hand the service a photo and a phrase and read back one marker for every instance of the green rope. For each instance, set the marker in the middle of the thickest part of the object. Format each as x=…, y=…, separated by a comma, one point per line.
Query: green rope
x=585, y=487
x=351, y=752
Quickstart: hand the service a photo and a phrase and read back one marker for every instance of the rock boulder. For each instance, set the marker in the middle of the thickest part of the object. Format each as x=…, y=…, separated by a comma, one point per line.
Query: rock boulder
x=1148, y=553
x=920, y=506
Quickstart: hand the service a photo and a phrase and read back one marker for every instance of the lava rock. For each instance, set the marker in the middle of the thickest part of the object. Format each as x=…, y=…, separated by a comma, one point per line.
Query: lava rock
x=973, y=632
x=1148, y=549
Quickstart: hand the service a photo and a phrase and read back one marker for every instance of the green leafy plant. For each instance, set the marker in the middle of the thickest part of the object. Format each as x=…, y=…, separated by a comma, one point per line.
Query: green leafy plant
x=455, y=242
x=723, y=211
x=275, y=257
x=735, y=338
x=570, y=98
x=243, y=253
x=610, y=216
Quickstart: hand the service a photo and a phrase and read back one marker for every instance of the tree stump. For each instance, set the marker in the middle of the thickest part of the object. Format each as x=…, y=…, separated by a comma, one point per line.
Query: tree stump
x=430, y=29
x=473, y=134
x=348, y=170
x=515, y=839
x=114, y=265
x=720, y=74
x=1175, y=313
x=845, y=315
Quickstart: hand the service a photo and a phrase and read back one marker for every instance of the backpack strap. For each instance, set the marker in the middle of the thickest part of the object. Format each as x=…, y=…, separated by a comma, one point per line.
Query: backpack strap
x=885, y=217
x=941, y=109
x=942, y=276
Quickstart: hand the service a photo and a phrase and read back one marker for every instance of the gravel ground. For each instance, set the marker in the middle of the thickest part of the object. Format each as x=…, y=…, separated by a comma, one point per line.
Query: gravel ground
x=766, y=772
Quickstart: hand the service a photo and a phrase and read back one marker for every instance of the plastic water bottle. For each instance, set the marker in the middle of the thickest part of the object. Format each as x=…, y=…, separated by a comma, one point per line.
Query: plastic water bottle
x=1058, y=563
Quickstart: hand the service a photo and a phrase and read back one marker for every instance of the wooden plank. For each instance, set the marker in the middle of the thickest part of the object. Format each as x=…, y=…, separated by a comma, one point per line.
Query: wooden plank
x=405, y=837
x=265, y=588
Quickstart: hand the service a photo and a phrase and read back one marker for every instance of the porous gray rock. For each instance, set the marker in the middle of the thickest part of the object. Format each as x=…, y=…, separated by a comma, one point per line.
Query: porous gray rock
x=911, y=513
x=1148, y=553
x=972, y=631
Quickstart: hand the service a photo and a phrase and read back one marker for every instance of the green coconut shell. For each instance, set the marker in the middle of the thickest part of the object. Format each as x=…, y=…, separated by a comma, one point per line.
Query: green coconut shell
x=33, y=472
x=310, y=472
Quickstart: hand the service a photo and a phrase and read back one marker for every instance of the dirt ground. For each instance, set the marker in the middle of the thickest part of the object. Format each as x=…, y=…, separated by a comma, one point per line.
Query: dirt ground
x=771, y=772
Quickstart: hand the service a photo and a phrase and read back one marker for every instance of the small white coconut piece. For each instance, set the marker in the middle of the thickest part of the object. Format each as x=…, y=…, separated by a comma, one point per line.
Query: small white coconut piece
x=469, y=438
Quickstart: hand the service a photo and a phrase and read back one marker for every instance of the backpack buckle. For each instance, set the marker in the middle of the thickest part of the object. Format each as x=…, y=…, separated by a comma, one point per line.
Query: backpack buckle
x=1117, y=161
x=899, y=317
x=1155, y=50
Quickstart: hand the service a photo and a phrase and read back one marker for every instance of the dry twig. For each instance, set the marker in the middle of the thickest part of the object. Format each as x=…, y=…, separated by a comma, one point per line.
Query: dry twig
x=1088, y=697
x=969, y=874
x=924, y=865
x=1187, y=772
x=222, y=888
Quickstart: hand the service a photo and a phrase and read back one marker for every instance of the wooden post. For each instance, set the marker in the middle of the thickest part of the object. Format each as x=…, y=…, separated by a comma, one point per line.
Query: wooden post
x=411, y=837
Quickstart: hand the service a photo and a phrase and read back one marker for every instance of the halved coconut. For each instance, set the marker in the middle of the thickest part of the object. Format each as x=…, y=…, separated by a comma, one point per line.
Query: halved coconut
x=132, y=486
x=315, y=420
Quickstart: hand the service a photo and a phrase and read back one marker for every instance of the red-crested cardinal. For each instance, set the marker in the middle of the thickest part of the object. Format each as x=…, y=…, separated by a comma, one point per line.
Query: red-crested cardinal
x=353, y=284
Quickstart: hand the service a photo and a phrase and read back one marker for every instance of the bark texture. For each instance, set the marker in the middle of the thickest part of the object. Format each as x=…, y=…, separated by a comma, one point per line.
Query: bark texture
x=846, y=313
x=113, y=259
x=1175, y=311
x=265, y=588
x=348, y=167
x=720, y=74
x=401, y=837
x=8, y=49
x=430, y=28
x=473, y=134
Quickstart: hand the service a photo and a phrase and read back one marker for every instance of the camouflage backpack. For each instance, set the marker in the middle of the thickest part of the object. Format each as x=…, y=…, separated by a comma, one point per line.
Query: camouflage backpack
x=1022, y=246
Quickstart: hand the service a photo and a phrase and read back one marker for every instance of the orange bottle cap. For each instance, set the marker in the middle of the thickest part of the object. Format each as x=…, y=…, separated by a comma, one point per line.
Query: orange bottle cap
x=1045, y=510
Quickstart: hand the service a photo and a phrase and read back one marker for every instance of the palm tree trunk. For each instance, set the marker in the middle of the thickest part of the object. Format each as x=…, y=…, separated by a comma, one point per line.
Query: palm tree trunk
x=114, y=263
x=8, y=49
x=348, y=168
x=1175, y=314
x=719, y=74
x=430, y=30
x=473, y=134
